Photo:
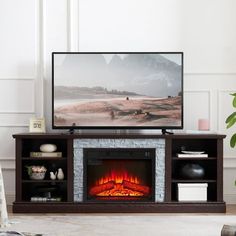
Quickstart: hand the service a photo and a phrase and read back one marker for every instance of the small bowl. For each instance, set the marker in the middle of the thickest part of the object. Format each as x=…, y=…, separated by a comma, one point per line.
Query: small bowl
x=37, y=176
x=48, y=147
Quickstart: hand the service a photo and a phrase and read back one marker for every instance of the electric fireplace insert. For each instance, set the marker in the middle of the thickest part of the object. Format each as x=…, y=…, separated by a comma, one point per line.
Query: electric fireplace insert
x=119, y=174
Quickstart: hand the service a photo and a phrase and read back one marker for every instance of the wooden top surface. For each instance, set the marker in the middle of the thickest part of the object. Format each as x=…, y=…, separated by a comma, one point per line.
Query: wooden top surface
x=119, y=135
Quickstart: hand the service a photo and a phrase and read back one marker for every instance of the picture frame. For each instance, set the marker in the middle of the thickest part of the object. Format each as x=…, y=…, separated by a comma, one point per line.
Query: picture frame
x=37, y=125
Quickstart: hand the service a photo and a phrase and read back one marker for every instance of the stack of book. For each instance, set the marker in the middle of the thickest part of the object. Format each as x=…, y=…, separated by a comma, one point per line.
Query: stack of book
x=45, y=154
x=192, y=154
x=45, y=199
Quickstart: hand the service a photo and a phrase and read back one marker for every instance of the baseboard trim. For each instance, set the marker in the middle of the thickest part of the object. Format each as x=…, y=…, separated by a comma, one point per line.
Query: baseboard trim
x=10, y=198
x=229, y=162
x=7, y=163
x=230, y=198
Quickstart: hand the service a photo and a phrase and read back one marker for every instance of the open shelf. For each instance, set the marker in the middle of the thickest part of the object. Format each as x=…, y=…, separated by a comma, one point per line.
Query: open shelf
x=193, y=158
x=43, y=159
x=193, y=180
x=207, y=145
x=211, y=190
x=33, y=145
x=44, y=181
x=43, y=188
x=27, y=188
x=209, y=165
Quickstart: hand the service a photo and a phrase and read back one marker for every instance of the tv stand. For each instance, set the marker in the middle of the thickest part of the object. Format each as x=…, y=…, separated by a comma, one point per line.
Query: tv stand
x=64, y=189
x=164, y=131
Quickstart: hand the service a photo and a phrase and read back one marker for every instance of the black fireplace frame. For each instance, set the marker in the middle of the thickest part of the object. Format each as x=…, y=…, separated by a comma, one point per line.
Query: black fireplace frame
x=149, y=153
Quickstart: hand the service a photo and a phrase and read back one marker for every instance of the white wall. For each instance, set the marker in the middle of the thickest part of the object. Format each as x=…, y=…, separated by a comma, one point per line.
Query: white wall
x=32, y=29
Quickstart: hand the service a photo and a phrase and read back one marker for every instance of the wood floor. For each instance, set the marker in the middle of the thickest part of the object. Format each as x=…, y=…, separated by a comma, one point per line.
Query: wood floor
x=231, y=209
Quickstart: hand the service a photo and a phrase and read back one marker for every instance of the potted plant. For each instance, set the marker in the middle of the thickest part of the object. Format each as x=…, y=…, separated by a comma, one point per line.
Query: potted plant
x=231, y=120
x=36, y=172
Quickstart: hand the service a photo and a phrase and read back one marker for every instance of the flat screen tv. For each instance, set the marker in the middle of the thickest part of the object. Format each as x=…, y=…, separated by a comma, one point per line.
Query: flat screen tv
x=118, y=90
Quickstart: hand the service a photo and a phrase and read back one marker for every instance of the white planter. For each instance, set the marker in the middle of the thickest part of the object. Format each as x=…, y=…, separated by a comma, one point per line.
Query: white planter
x=37, y=176
x=192, y=192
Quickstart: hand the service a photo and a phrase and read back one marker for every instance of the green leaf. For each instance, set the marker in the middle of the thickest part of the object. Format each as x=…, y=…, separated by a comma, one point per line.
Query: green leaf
x=233, y=115
x=231, y=123
x=233, y=94
x=233, y=141
x=234, y=102
x=29, y=169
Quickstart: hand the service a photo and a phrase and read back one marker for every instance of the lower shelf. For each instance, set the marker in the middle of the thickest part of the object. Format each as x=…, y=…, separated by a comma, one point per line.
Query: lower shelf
x=71, y=207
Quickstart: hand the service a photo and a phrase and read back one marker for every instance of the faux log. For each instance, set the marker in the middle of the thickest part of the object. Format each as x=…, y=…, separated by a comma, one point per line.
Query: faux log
x=101, y=188
x=136, y=187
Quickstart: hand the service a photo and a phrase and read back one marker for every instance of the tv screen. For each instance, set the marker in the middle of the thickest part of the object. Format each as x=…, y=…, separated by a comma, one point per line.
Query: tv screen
x=117, y=90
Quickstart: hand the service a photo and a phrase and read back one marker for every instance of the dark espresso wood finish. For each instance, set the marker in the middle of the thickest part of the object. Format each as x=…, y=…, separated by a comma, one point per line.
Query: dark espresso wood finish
x=171, y=207
x=168, y=169
x=210, y=143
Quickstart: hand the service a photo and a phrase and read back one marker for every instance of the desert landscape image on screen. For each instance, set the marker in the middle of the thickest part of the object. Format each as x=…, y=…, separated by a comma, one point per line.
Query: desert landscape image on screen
x=117, y=90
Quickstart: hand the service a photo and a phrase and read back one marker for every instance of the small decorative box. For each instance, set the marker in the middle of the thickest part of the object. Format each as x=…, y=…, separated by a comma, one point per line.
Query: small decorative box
x=192, y=192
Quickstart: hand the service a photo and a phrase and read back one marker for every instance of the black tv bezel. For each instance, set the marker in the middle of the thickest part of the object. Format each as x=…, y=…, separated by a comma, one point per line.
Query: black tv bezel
x=121, y=127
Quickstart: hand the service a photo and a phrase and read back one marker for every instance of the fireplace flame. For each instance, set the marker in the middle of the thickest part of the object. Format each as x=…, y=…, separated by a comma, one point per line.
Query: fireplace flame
x=119, y=183
x=118, y=178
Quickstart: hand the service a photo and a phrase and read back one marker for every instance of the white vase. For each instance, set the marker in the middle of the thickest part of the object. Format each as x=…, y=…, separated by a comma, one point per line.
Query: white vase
x=60, y=174
x=52, y=175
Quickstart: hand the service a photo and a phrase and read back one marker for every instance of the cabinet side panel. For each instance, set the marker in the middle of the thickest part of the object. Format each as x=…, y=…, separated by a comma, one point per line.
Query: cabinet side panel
x=168, y=169
x=219, y=170
x=18, y=169
x=70, y=172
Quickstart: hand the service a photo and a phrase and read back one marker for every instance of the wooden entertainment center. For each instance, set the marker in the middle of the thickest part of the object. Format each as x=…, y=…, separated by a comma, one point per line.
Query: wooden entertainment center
x=212, y=144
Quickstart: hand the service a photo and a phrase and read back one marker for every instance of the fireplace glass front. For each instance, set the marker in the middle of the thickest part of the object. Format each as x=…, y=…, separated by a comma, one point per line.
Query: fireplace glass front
x=119, y=174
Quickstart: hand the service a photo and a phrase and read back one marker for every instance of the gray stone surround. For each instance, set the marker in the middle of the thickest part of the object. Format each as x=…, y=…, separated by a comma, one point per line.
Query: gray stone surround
x=158, y=144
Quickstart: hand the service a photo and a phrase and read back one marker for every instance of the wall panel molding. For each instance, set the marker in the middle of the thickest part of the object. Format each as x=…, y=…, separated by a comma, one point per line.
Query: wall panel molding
x=69, y=26
x=219, y=108
x=40, y=54
x=18, y=79
x=10, y=198
x=72, y=25
x=229, y=162
x=15, y=119
x=209, y=73
x=14, y=125
x=18, y=94
x=7, y=163
x=17, y=112
x=230, y=198
x=209, y=93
